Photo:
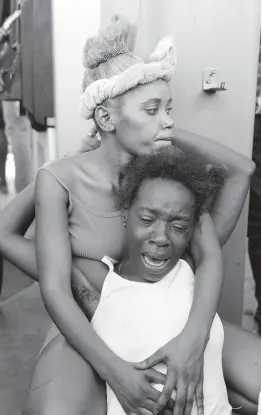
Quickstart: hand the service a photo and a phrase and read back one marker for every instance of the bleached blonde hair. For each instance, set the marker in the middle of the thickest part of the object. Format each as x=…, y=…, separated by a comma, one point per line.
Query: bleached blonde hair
x=111, y=51
x=112, y=68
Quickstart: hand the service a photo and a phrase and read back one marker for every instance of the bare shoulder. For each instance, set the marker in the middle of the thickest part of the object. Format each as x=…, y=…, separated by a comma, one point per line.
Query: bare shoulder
x=48, y=188
x=66, y=170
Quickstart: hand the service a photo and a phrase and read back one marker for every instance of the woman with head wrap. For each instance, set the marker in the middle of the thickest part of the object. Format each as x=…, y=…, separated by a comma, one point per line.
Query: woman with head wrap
x=130, y=103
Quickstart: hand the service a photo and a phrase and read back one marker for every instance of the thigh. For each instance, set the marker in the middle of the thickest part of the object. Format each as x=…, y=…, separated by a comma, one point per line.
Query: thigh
x=242, y=405
x=3, y=141
x=241, y=361
x=63, y=383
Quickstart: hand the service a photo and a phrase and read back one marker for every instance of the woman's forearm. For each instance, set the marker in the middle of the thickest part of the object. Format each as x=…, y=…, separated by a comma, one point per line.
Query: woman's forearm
x=207, y=290
x=19, y=213
x=78, y=331
x=54, y=268
x=229, y=202
x=208, y=263
x=215, y=152
x=15, y=220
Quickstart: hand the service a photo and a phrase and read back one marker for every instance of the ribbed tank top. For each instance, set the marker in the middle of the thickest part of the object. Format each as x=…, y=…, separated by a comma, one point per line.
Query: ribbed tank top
x=94, y=231
x=135, y=319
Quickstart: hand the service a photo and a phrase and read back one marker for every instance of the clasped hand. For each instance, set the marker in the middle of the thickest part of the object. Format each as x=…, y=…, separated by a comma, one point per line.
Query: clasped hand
x=183, y=357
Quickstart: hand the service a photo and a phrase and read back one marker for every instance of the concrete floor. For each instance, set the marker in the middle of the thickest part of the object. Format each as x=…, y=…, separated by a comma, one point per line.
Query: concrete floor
x=24, y=322
x=23, y=325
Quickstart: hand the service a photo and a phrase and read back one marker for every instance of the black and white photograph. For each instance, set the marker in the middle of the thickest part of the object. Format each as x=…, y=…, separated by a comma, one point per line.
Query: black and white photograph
x=130, y=207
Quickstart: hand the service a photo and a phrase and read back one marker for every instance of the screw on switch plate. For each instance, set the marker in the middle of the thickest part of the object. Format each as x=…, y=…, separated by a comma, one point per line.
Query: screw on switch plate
x=211, y=82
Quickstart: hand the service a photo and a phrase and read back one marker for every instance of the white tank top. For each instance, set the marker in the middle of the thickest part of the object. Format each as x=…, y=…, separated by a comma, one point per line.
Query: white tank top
x=135, y=319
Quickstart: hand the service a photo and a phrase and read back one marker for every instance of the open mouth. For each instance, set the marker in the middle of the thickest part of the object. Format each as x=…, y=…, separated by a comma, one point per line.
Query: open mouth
x=155, y=264
x=162, y=143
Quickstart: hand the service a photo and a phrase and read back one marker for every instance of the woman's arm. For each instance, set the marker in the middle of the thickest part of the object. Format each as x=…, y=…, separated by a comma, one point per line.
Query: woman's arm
x=54, y=262
x=15, y=220
x=229, y=202
x=225, y=213
x=208, y=263
x=19, y=214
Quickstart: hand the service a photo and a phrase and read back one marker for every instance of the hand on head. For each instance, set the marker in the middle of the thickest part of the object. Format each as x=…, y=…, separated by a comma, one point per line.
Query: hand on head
x=88, y=143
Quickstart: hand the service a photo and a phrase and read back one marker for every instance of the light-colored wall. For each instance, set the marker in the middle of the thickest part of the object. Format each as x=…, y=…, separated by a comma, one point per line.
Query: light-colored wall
x=223, y=35
x=130, y=9
x=73, y=22
x=219, y=33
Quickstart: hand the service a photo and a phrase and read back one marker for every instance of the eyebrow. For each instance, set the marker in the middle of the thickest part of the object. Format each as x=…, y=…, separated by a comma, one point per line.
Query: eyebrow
x=152, y=101
x=155, y=212
x=156, y=101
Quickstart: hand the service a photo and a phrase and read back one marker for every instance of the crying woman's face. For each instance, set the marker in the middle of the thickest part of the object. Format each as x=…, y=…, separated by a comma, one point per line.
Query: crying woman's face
x=159, y=226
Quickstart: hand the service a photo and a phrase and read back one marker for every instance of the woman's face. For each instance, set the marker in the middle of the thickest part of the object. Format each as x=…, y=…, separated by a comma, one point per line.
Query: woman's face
x=159, y=226
x=144, y=122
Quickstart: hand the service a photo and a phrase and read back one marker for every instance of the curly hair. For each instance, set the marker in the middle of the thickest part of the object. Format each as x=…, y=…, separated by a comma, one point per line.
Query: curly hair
x=176, y=165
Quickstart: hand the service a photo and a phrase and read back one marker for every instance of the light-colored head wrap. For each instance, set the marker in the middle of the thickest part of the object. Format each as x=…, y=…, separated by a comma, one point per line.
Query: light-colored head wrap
x=161, y=65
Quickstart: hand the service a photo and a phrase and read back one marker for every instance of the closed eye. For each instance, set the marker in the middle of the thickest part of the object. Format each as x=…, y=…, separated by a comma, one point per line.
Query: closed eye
x=168, y=110
x=152, y=111
x=178, y=228
x=146, y=220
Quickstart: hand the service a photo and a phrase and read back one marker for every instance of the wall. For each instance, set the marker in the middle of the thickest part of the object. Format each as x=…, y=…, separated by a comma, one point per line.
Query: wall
x=223, y=35
x=220, y=34
x=208, y=33
x=130, y=9
x=73, y=22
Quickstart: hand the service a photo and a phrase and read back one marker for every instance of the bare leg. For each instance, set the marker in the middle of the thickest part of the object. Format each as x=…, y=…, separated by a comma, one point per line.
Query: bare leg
x=64, y=384
x=3, y=156
x=241, y=364
x=241, y=405
x=18, y=132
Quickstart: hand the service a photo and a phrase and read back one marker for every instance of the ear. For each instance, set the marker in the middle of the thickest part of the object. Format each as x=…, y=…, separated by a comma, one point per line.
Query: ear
x=103, y=118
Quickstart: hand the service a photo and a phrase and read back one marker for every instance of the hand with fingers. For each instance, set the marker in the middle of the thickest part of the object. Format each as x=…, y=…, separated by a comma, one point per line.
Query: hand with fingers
x=90, y=142
x=3, y=34
x=183, y=357
x=133, y=389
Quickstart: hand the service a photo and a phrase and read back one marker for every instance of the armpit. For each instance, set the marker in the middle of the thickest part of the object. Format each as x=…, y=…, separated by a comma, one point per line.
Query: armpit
x=87, y=299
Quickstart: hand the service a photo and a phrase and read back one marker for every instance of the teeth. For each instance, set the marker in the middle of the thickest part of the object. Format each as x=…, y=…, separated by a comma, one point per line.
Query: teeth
x=154, y=262
x=159, y=144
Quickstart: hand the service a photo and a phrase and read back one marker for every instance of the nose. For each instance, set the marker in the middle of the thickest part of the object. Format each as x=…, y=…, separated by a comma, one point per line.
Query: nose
x=167, y=122
x=159, y=235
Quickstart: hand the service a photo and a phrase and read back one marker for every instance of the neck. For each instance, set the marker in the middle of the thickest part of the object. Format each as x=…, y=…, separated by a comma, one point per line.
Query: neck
x=126, y=271
x=113, y=156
